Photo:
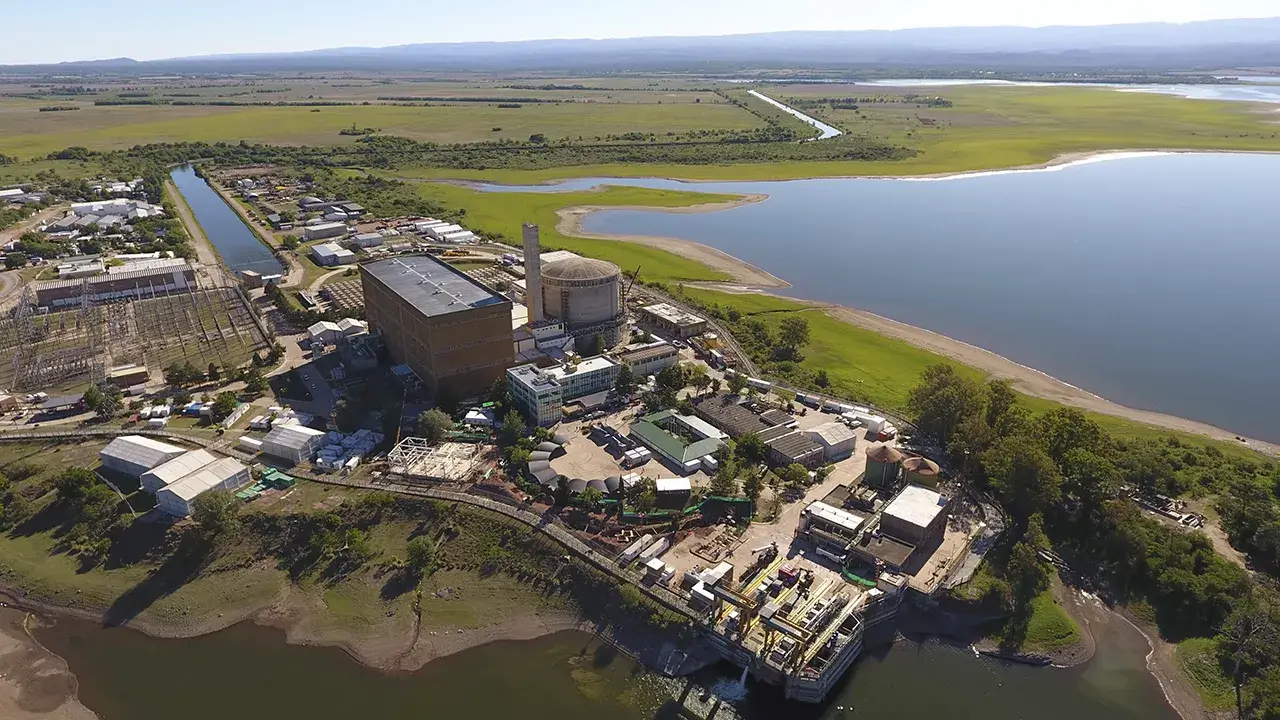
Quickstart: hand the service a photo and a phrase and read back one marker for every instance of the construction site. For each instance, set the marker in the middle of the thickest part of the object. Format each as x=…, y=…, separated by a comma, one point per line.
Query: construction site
x=75, y=343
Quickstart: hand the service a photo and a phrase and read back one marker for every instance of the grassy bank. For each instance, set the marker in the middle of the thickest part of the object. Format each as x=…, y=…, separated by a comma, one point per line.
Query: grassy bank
x=327, y=563
x=501, y=214
x=1198, y=658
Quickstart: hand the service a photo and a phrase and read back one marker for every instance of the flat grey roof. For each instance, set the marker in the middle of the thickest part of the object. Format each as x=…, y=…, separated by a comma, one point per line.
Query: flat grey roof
x=432, y=286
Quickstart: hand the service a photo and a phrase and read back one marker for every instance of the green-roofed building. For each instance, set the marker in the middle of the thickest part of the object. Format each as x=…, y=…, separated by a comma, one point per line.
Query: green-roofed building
x=681, y=440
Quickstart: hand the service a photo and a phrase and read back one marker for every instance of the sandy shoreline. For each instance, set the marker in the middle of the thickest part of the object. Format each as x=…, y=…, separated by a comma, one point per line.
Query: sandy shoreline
x=746, y=277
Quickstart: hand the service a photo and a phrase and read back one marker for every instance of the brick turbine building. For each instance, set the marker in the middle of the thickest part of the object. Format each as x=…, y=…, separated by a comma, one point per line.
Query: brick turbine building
x=452, y=331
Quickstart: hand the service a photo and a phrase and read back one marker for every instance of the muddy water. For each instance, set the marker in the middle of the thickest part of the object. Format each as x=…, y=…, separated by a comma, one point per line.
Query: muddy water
x=250, y=673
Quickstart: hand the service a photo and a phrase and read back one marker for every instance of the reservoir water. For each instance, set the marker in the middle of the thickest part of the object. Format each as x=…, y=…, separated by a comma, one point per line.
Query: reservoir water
x=250, y=673
x=1251, y=89
x=237, y=245
x=1151, y=281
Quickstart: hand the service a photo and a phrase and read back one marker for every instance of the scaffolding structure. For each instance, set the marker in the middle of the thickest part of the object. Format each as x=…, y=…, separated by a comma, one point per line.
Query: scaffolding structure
x=416, y=458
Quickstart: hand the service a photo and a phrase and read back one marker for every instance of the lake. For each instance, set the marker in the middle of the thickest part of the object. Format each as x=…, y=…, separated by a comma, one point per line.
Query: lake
x=1149, y=280
x=250, y=673
x=1251, y=89
x=237, y=245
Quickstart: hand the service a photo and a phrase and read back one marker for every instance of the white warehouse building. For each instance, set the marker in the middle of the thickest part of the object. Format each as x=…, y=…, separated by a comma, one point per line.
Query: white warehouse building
x=330, y=254
x=133, y=455
x=294, y=443
x=170, y=472
x=225, y=474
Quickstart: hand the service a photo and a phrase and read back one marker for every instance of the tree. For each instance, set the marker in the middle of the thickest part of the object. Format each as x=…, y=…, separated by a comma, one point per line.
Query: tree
x=821, y=380
x=421, y=553
x=538, y=138
x=213, y=372
x=1065, y=429
x=697, y=377
x=943, y=400
x=724, y=483
x=562, y=491
x=255, y=382
x=737, y=382
x=1023, y=478
x=796, y=475
x=1248, y=640
x=434, y=425
x=225, y=404
x=512, y=425
x=753, y=484
x=750, y=449
x=671, y=378
x=645, y=494
x=182, y=374
x=346, y=415
x=73, y=484
x=15, y=260
x=626, y=382
x=793, y=335
x=217, y=512
x=591, y=497
x=685, y=406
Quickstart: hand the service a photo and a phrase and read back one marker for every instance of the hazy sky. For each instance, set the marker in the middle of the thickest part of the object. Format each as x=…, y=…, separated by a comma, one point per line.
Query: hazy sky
x=57, y=30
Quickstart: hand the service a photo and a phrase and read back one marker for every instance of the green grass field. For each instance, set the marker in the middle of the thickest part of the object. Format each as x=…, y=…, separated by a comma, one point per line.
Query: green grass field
x=26, y=132
x=503, y=213
x=988, y=128
x=1198, y=659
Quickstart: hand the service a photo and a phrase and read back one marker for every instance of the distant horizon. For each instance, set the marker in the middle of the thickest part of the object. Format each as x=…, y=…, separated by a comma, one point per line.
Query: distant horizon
x=69, y=31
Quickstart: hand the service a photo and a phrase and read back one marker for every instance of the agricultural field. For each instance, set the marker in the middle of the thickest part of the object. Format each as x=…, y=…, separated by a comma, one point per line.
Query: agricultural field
x=453, y=112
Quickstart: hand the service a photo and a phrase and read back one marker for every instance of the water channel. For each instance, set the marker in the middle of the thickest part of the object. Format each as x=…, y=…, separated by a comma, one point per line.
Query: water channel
x=825, y=131
x=251, y=673
x=1148, y=280
x=237, y=245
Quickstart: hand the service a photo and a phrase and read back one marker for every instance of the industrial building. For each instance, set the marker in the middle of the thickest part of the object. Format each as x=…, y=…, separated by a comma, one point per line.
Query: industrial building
x=670, y=321
x=650, y=359
x=368, y=240
x=330, y=254
x=884, y=464
x=177, y=497
x=130, y=281
x=449, y=329
x=542, y=392
x=682, y=440
x=837, y=440
x=920, y=471
x=916, y=515
x=831, y=529
x=539, y=397
x=324, y=231
x=294, y=443
x=586, y=295
x=134, y=455
x=176, y=469
x=126, y=376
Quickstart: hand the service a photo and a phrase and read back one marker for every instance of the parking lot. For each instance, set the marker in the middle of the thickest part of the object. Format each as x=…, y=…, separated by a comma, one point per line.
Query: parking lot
x=587, y=457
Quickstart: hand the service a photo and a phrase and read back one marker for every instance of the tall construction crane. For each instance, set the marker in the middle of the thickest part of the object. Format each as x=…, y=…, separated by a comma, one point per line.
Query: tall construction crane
x=627, y=292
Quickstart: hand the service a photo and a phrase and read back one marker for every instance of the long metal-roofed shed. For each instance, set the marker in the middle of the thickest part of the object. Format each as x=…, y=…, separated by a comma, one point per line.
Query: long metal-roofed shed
x=225, y=474
x=795, y=448
x=440, y=322
x=133, y=455
x=726, y=413
x=176, y=469
x=830, y=525
x=294, y=443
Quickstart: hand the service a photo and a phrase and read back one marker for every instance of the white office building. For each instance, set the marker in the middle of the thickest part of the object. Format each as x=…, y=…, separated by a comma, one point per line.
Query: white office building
x=329, y=254
x=537, y=394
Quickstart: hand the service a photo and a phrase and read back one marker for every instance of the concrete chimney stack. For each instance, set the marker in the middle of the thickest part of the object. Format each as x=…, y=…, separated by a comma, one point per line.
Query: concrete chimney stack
x=532, y=272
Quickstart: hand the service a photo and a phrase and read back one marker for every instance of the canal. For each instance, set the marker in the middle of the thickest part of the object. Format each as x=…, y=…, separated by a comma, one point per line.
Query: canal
x=237, y=245
x=250, y=673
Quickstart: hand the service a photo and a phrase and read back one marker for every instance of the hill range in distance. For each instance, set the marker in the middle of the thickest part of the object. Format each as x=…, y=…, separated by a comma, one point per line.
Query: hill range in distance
x=1203, y=45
